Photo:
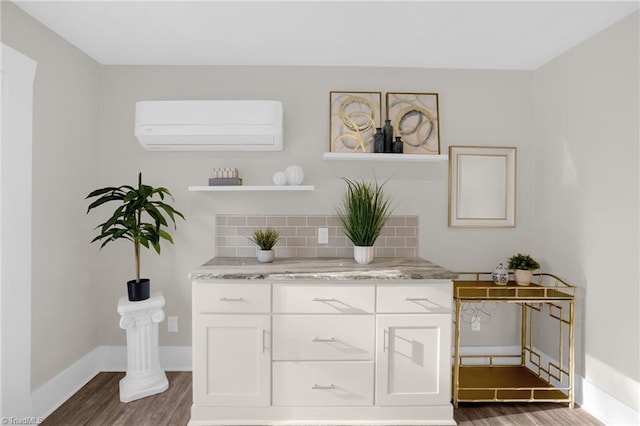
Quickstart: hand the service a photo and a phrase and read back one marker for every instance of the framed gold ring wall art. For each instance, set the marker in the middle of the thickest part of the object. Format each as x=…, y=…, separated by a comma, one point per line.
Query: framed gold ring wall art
x=482, y=186
x=414, y=117
x=354, y=117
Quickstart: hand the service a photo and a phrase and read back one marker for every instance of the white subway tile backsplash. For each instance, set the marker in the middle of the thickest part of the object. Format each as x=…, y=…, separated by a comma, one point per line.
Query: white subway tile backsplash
x=396, y=221
x=226, y=231
x=306, y=252
x=407, y=252
x=246, y=251
x=399, y=238
x=226, y=251
x=285, y=251
x=327, y=252
x=384, y=252
x=316, y=221
x=296, y=242
x=237, y=220
x=296, y=221
x=276, y=220
x=406, y=231
x=257, y=221
x=305, y=231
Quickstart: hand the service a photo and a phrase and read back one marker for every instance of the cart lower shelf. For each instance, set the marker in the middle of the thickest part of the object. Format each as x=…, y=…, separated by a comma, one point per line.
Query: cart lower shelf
x=505, y=383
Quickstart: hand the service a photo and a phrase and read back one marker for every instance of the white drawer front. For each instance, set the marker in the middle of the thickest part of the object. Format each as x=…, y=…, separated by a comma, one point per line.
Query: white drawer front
x=419, y=298
x=323, y=337
x=325, y=384
x=323, y=299
x=232, y=298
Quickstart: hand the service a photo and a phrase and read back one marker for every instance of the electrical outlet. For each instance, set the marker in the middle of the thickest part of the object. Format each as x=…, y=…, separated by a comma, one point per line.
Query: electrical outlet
x=475, y=324
x=172, y=323
x=323, y=235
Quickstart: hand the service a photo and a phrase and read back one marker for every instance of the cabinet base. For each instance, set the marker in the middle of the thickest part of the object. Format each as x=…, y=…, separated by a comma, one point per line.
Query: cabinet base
x=309, y=416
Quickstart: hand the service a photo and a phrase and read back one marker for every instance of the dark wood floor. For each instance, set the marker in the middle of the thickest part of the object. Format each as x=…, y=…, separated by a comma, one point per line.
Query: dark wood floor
x=98, y=404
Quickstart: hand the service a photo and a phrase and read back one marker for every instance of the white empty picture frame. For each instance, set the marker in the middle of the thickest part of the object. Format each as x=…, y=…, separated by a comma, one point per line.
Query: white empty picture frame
x=482, y=186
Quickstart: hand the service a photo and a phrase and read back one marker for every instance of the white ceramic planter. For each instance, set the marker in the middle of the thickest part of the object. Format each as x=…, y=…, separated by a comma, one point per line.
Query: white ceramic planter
x=523, y=277
x=266, y=256
x=363, y=255
x=294, y=174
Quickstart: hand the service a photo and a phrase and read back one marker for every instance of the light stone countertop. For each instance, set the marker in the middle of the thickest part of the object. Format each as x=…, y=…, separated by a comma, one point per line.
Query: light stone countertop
x=318, y=269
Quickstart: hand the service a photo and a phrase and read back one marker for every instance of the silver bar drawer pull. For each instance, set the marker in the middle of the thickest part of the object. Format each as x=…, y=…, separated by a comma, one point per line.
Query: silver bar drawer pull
x=318, y=387
x=320, y=340
x=319, y=299
x=416, y=299
x=232, y=299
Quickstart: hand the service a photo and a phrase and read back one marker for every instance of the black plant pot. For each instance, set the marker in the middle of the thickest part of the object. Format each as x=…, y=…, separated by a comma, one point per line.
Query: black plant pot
x=138, y=291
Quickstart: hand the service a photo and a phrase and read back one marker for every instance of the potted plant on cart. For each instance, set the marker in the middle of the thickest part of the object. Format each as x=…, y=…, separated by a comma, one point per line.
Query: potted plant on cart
x=140, y=218
x=523, y=266
x=265, y=239
x=364, y=211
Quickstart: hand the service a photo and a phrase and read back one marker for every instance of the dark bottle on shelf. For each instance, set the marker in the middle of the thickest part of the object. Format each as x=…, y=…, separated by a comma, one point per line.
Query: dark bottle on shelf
x=378, y=141
x=388, y=136
x=398, y=147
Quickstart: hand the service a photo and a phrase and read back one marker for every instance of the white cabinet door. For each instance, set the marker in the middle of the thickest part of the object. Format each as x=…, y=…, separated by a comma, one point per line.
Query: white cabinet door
x=413, y=365
x=232, y=360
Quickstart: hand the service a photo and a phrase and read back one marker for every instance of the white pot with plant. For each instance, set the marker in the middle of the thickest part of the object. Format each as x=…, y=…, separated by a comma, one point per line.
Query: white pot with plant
x=523, y=266
x=364, y=211
x=265, y=240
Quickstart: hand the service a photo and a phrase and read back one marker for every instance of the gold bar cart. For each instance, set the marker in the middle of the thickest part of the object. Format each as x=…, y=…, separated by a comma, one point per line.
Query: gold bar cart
x=532, y=375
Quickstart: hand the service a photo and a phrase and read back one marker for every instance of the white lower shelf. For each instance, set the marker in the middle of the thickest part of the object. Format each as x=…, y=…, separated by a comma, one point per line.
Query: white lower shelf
x=368, y=156
x=230, y=188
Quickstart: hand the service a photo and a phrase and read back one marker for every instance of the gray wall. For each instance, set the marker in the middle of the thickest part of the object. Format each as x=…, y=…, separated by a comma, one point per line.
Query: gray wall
x=586, y=131
x=575, y=119
x=476, y=107
x=65, y=125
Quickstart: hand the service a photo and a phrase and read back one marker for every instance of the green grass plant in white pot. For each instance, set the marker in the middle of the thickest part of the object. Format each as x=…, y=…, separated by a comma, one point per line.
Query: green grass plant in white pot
x=364, y=211
x=523, y=266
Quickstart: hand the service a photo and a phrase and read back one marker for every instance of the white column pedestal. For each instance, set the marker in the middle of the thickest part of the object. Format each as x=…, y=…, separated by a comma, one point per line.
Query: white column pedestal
x=144, y=376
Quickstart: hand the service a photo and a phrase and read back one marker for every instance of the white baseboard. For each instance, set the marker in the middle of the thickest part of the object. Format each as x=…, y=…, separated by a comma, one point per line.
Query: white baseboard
x=56, y=391
x=603, y=406
x=589, y=397
x=48, y=397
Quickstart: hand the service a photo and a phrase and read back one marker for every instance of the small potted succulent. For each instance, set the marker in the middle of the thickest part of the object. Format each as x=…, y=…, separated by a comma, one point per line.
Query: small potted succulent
x=523, y=266
x=364, y=211
x=265, y=239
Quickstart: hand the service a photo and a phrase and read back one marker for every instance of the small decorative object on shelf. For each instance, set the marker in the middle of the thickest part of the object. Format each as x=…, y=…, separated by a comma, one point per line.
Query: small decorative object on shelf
x=500, y=275
x=265, y=239
x=378, y=141
x=294, y=174
x=279, y=178
x=363, y=213
x=397, y=145
x=523, y=266
x=388, y=136
x=223, y=176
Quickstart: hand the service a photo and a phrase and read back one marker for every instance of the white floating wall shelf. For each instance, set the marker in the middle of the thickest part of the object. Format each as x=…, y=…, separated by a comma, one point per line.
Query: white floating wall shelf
x=361, y=156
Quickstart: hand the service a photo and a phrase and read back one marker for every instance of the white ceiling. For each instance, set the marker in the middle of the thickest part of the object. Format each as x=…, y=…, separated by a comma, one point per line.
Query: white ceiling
x=444, y=34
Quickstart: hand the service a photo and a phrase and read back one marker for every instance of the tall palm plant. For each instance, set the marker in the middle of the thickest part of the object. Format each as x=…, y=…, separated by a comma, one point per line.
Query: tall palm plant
x=139, y=217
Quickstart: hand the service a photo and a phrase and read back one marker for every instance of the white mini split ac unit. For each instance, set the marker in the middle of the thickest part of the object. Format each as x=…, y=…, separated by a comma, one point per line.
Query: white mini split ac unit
x=209, y=125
